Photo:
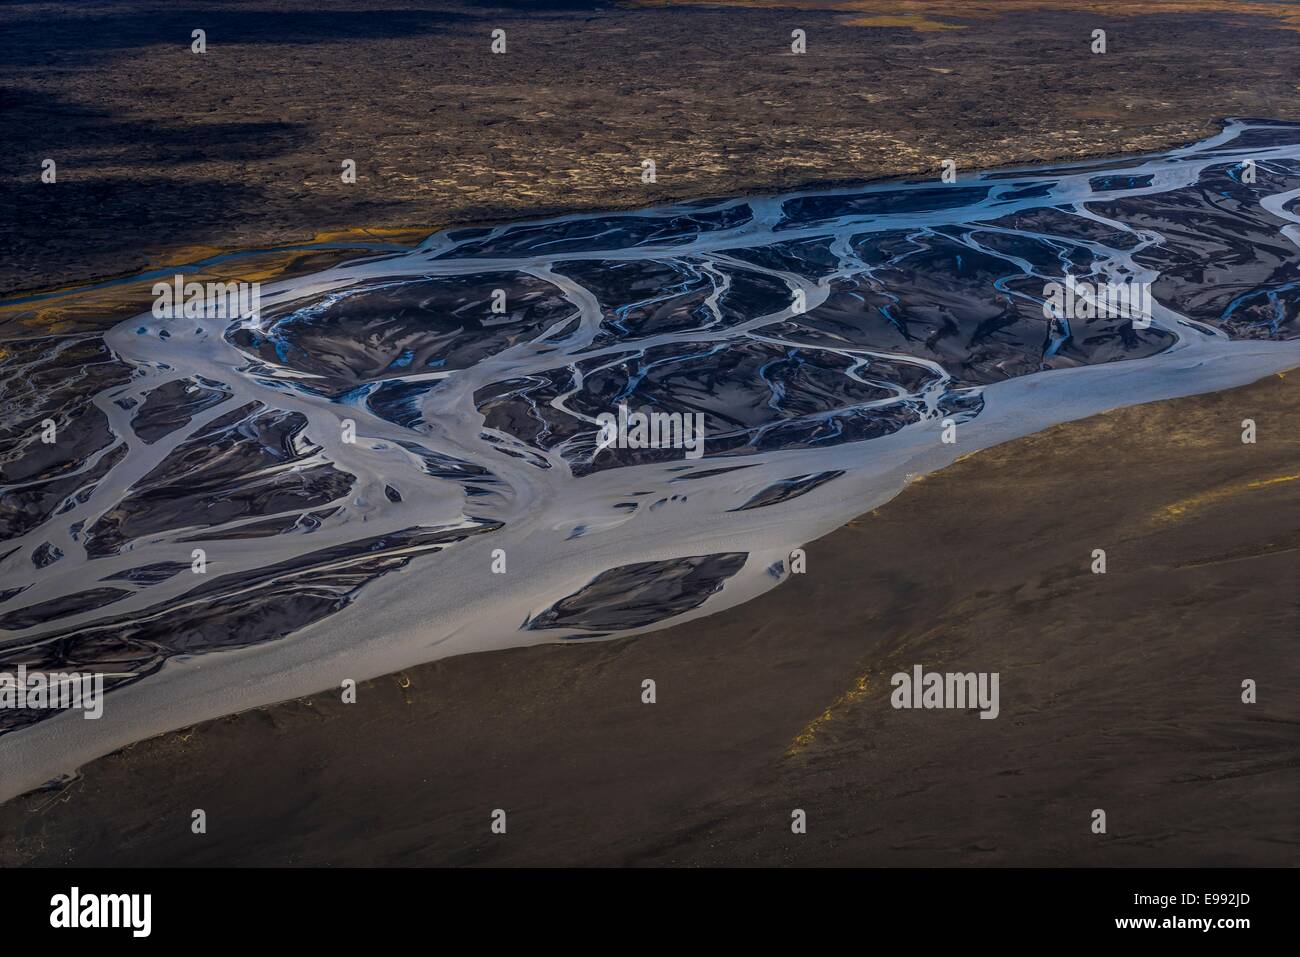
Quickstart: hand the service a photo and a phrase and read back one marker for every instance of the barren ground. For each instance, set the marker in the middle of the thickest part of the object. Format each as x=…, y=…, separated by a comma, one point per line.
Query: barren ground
x=164, y=155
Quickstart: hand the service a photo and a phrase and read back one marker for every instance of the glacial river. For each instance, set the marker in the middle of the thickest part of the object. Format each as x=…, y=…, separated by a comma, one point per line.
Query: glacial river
x=381, y=469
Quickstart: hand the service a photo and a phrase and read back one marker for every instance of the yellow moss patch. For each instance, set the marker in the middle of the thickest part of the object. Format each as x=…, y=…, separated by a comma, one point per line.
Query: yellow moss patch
x=366, y=233
x=1181, y=508
x=917, y=14
x=806, y=736
x=181, y=255
x=919, y=24
x=72, y=305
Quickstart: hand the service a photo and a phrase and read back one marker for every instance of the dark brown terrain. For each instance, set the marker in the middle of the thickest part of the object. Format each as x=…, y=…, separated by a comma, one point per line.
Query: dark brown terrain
x=164, y=155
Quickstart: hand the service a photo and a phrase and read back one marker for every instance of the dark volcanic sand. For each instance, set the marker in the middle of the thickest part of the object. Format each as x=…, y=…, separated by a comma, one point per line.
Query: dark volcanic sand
x=1119, y=692
x=159, y=149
